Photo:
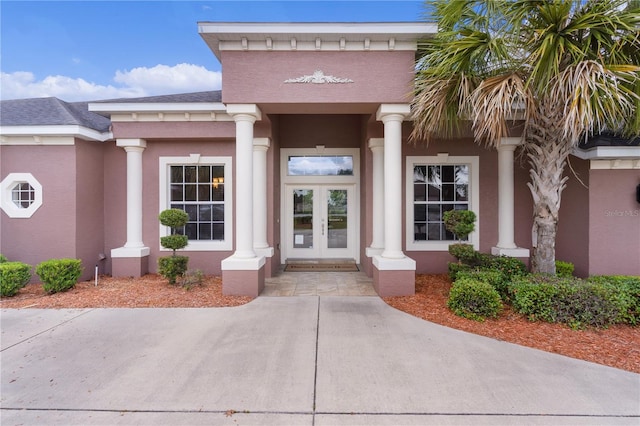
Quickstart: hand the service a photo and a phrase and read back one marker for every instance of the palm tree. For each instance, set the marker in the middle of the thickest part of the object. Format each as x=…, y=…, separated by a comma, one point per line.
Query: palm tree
x=563, y=69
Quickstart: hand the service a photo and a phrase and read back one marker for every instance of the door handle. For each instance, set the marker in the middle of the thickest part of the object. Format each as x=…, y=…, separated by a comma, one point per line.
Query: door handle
x=322, y=226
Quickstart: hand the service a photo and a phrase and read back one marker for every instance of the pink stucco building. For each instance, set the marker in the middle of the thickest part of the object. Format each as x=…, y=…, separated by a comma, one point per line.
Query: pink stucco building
x=304, y=154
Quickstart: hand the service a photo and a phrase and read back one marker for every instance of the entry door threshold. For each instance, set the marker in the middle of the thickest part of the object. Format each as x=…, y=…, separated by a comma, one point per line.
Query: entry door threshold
x=321, y=265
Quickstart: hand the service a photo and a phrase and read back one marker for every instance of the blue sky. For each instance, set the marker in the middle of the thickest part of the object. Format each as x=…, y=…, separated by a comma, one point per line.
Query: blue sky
x=89, y=50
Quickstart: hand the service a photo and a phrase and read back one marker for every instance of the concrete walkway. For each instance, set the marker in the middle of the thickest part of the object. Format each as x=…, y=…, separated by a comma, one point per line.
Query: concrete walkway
x=295, y=361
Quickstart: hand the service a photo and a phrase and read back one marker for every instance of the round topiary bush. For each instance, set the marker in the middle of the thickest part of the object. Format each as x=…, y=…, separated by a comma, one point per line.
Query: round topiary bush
x=59, y=275
x=173, y=266
x=13, y=276
x=474, y=299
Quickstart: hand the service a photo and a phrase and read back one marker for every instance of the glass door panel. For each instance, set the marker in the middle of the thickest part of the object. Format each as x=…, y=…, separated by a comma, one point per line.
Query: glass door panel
x=303, y=218
x=337, y=218
x=320, y=222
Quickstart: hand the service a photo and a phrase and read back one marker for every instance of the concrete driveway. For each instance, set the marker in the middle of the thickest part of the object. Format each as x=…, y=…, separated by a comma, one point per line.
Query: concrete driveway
x=295, y=361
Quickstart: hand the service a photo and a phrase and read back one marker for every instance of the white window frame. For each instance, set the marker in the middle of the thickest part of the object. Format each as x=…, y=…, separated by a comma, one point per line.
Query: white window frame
x=6, y=200
x=474, y=199
x=165, y=198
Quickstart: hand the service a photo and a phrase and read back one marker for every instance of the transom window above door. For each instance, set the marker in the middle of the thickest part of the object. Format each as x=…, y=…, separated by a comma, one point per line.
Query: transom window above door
x=320, y=165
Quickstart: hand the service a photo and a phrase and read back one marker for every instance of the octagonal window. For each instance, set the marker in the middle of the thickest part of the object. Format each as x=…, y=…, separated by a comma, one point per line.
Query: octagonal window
x=20, y=195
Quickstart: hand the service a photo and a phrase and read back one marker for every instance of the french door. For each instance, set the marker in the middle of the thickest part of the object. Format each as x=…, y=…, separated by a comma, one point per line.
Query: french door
x=320, y=221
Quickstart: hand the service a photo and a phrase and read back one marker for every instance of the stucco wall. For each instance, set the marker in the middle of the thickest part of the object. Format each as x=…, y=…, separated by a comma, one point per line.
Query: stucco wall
x=50, y=233
x=90, y=201
x=377, y=77
x=307, y=131
x=436, y=261
x=614, y=228
x=572, y=241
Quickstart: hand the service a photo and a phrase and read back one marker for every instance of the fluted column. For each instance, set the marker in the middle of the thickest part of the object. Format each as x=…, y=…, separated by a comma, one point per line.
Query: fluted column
x=377, y=241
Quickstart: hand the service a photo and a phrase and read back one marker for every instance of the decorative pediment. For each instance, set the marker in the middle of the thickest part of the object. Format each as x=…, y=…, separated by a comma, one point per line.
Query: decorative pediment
x=318, y=77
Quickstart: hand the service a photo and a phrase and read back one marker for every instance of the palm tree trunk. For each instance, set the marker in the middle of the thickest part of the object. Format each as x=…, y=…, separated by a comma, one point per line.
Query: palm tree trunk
x=547, y=154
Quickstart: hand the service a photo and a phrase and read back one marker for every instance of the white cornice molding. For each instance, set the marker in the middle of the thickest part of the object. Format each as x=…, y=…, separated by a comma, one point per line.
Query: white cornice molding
x=159, y=112
x=167, y=107
x=49, y=135
x=314, y=36
x=608, y=153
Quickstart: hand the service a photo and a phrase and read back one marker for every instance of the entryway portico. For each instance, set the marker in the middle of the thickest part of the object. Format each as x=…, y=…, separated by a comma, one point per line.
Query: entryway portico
x=359, y=70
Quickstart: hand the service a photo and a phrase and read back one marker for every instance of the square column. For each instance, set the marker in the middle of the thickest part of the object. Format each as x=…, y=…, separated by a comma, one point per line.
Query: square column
x=243, y=272
x=394, y=273
x=133, y=258
x=506, y=223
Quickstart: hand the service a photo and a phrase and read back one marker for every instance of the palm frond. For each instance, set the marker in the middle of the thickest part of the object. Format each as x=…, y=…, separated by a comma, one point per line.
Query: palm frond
x=594, y=98
x=494, y=102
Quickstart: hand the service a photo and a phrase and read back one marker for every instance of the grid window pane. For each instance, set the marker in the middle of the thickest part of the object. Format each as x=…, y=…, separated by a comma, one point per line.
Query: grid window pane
x=199, y=191
x=23, y=195
x=438, y=189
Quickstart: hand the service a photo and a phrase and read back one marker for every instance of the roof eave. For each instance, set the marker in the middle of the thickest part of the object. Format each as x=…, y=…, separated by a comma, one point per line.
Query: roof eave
x=73, y=131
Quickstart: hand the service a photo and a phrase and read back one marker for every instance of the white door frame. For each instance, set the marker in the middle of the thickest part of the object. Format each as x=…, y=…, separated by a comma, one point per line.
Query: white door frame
x=287, y=182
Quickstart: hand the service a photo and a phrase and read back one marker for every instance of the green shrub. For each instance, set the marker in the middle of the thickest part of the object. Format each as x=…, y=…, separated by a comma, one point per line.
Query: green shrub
x=173, y=218
x=465, y=253
x=456, y=268
x=564, y=269
x=627, y=296
x=510, y=267
x=59, y=275
x=13, y=276
x=571, y=301
x=174, y=242
x=172, y=267
x=492, y=277
x=474, y=299
x=3, y=258
x=533, y=296
x=460, y=222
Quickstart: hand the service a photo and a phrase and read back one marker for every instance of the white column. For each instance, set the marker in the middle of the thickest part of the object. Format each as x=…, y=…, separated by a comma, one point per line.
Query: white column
x=244, y=116
x=392, y=116
x=506, y=217
x=377, y=241
x=260, y=148
x=134, y=245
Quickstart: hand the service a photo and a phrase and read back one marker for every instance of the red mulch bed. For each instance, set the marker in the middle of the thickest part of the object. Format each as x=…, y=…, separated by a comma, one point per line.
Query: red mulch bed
x=617, y=346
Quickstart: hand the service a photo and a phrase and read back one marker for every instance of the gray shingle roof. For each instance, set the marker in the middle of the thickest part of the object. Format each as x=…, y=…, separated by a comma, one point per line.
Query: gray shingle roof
x=53, y=111
x=213, y=96
x=50, y=111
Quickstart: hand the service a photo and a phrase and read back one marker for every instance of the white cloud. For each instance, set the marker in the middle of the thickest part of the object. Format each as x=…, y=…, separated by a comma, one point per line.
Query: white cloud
x=158, y=80
x=177, y=79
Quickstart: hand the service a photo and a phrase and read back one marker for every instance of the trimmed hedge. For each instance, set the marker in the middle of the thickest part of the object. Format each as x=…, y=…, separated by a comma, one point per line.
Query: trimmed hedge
x=627, y=295
x=3, y=258
x=474, y=299
x=13, y=276
x=59, y=275
x=571, y=301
